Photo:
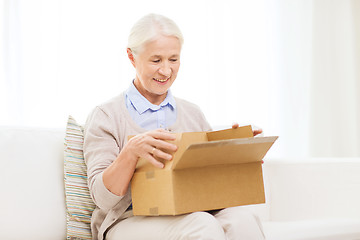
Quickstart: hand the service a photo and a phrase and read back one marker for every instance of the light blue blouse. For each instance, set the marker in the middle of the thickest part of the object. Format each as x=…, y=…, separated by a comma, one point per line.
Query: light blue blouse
x=148, y=115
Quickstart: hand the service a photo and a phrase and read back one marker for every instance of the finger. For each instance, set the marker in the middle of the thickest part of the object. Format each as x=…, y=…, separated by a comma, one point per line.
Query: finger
x=153, y=161
x=257, y=132
x=160, y=144
x=162, y=134
x=144, y=145
x=235, y=125
x=160, y=154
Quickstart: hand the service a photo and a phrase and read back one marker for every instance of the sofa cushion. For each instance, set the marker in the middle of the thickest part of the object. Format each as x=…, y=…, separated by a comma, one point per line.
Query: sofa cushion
x=313, y=188
x=79, y=204
x=316, y=229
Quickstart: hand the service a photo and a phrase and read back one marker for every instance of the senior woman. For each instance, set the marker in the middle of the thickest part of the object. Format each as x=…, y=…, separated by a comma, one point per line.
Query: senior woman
x=148, y=110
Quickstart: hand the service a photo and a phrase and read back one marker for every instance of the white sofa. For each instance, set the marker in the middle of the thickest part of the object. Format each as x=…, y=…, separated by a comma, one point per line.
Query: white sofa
x=306, y=198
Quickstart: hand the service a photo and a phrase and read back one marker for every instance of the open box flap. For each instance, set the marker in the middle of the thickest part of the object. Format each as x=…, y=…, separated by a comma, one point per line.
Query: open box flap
x=240, y=132
x=232, y=151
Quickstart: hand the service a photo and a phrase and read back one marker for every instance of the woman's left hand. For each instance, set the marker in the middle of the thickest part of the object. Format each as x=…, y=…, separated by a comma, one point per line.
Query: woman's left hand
x=255, y=132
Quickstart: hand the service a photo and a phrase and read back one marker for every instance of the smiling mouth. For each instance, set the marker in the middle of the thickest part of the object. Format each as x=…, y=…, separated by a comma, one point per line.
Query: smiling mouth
x=161, y=80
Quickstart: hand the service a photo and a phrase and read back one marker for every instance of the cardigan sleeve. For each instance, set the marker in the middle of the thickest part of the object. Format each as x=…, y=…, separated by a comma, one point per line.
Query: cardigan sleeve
x=101, y=148
x=193, y=119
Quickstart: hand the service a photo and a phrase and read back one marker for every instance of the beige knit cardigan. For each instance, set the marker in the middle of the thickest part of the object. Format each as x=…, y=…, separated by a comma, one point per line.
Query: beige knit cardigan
x=105, y=134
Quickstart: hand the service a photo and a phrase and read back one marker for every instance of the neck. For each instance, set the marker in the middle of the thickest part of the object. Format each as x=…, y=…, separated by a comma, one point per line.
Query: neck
x=154, y=98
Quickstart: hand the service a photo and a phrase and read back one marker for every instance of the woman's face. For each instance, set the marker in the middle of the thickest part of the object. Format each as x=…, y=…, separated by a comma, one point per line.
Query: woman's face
x=156, y=67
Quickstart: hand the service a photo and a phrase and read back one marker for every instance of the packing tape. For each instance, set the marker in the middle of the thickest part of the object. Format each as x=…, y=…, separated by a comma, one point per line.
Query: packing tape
x=154, y=211
x=150, y=174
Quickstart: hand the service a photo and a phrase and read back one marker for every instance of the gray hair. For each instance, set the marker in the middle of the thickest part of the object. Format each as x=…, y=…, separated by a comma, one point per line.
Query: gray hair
x=148, y=28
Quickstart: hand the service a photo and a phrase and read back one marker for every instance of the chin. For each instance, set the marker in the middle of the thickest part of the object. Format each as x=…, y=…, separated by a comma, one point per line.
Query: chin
x=162, y=89
x=160, y=93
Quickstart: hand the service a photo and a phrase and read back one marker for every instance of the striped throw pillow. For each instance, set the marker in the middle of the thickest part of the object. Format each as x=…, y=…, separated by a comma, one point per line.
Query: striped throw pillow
x=79, y=204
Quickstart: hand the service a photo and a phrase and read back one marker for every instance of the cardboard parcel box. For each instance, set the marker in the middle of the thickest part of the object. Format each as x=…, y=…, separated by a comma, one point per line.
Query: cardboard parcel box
x=210, y=170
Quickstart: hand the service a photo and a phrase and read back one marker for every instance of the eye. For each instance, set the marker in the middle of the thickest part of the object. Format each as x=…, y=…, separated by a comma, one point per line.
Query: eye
x=156, y=61
x=173, y=60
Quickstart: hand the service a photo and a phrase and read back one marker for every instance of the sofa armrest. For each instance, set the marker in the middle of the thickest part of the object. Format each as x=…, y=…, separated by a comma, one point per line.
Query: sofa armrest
x=313, y=188
x=32, y=185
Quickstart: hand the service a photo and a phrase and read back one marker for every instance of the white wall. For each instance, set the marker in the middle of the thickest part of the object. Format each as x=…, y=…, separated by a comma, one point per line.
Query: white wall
x=290, y=67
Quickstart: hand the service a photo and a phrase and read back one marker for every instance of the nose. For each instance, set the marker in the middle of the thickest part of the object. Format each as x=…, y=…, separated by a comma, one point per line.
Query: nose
x=165, y=69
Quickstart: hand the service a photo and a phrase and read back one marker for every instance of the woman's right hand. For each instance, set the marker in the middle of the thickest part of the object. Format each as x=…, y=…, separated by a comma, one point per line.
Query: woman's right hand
x=152, y=144
x=148, y=145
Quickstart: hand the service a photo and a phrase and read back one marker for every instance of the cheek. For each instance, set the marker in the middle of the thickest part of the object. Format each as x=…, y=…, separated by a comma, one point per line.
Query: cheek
x=176, y=68
x=146, y=71
x=150, y=70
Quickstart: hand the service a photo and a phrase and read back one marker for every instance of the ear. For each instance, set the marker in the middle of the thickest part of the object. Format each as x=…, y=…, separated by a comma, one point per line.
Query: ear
x=131, y=56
